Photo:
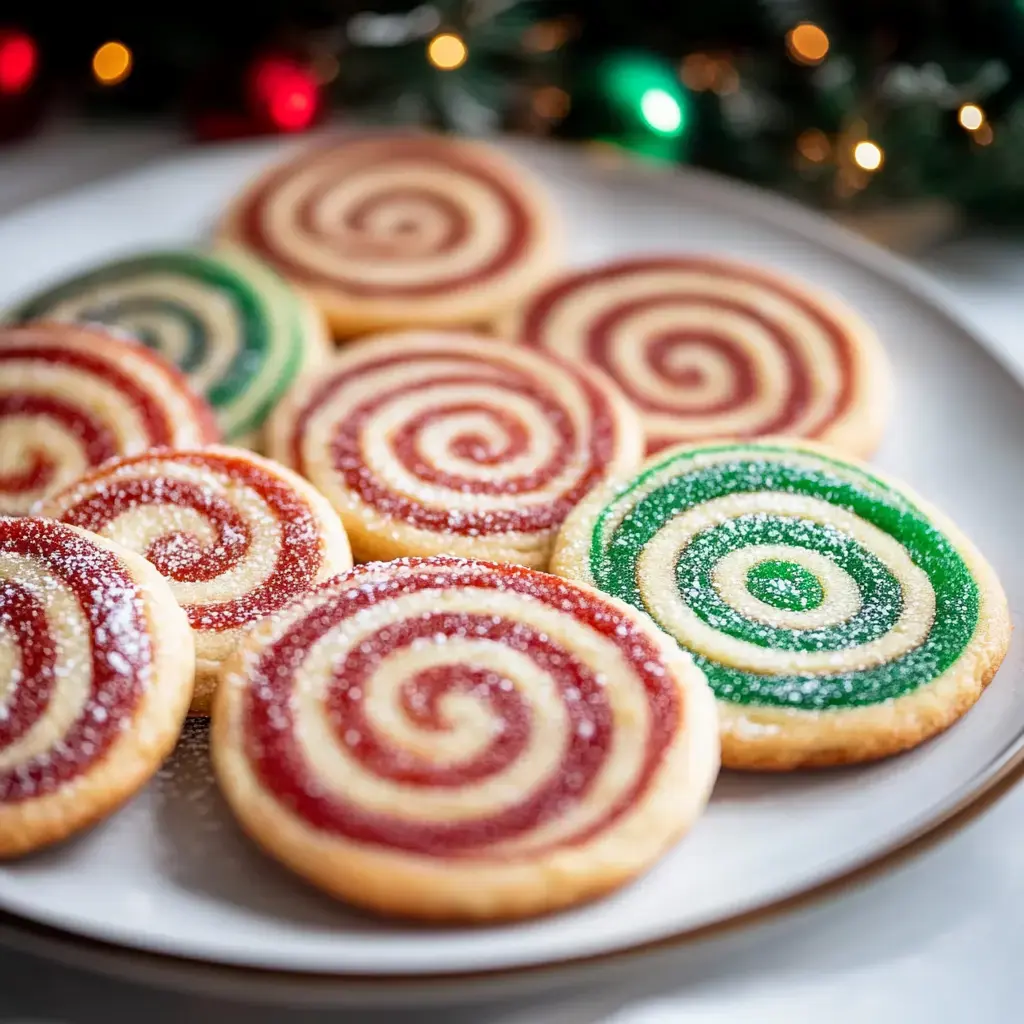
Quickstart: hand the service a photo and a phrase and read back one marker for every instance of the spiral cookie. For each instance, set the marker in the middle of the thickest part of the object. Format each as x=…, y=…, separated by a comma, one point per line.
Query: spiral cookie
x=95, y=678
x=236, y=329
x=400, y=230
x=453, y=739
x=837, y=617
x=236, y=536
x=72, y=397
x=708, y=348
x=435, y=443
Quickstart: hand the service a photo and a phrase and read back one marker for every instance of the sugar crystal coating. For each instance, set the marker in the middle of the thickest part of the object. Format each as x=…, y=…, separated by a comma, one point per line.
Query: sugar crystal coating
x=795, y=579
x=72, y=397
x=422, y=653
x=99, y=655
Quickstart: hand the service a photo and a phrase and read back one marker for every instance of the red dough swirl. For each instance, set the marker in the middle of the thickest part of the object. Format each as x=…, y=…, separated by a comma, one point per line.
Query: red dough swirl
x=440, y=442
x=95, y=676
x=389, y=230
x=236, y=536
x=72, y=397
x=710, y=348
x=439, y=737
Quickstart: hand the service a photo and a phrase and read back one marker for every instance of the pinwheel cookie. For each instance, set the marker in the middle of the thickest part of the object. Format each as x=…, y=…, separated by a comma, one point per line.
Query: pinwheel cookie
x=237, y=330
x=836, y=615
x=712, y=348
x=445, y=443
x=400, y=230
x=96, y=669
x=463, y=740
x=72, y=397
x=236, y=536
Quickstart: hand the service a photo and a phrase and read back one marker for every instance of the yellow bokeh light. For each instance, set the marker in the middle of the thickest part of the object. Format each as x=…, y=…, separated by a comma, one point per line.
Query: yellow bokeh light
x=112, y=63
x=983, y=136
x=807, y=43
x=868, y=155
x=447, y=51
x=971, y=116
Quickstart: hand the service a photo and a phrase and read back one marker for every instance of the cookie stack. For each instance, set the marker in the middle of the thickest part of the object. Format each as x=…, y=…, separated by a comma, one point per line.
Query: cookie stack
x=609, y=525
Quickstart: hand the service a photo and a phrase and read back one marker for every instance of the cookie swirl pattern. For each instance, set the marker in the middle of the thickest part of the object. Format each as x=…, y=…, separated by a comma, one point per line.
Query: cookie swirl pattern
x=396, y=230
x=710, y=348
x=95, y=677
x=236, y=330
x=72, y=397
x=237, y=537
x=442, y=738
x=835, y=616
x=432, y=443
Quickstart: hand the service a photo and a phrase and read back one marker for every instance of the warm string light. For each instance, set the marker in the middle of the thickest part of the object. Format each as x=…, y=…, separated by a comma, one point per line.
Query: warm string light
x=868, y=155
x=19, y=58
x=971, y=116
x=703, y=71
x=546, y=36
x=813, y=145
x=446, y=51
x=551, y=103
x=112, y=63
x=807, y=43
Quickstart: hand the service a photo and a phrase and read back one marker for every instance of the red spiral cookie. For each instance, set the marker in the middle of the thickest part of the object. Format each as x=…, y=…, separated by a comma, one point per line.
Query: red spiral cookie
x=453, y=739
x=96, y=666
x=435, y=443
x=72, y=397
x=710, y=348
x=237, y=537
x=400, y=230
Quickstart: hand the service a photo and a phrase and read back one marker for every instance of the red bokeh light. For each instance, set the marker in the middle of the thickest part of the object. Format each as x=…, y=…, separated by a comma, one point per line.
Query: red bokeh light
x=18, y=59
x=288, y=93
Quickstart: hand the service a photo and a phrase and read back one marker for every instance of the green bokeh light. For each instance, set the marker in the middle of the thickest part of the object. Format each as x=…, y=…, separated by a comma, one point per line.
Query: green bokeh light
x=647, y=90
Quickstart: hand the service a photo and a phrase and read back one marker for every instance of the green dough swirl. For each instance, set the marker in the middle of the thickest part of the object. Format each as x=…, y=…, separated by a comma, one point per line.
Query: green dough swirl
x=808, y=582
x=234, y=328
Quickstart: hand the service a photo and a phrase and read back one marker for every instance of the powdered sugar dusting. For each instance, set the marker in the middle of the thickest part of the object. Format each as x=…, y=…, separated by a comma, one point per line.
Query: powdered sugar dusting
x=114, y=663
x=241, y=504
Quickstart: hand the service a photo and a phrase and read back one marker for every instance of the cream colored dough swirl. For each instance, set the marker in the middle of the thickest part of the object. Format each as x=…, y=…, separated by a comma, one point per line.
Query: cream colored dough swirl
x=709, y=348
x=449, y=718
x=95, y=676
x=71, y=397
x=429, y=443
x=237, y=537
x=391, y=230
x=836, y=616
x=235, y=328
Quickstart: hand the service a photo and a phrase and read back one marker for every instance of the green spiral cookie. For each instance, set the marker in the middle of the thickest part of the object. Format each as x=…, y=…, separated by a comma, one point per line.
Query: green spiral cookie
x=818, y=599
x=237, y=330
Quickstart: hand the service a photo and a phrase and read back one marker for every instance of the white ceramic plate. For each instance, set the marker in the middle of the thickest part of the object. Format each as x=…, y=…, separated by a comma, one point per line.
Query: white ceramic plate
x=171, y=874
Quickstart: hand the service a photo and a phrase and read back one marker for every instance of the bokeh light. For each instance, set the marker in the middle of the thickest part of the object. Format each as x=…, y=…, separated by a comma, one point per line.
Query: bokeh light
x=447, y=51
x=813, y=145
x=868, y=155
x=662, y=111
x=112, y=63
x=971, y=116
x=807, y=43
x=19, y=58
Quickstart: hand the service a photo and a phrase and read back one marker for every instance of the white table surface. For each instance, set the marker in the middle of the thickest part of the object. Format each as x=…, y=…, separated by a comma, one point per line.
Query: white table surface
x=940, y=939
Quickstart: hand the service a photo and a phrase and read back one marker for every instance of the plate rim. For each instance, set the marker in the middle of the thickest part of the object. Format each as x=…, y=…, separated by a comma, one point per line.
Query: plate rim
x=973, y=799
